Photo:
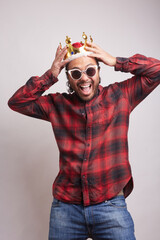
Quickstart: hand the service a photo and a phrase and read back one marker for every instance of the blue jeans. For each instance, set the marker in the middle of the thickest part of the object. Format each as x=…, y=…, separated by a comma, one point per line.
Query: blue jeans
x=109, y=220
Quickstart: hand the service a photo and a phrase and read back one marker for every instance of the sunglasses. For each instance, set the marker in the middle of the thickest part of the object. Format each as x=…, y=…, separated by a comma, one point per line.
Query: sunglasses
x=76, y=74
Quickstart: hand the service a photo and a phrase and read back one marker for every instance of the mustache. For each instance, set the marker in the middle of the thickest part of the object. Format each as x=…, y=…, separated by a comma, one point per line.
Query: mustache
x=82, y=82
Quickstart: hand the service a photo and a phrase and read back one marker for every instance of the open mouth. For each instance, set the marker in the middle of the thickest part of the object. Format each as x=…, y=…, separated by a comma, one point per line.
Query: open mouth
x=86, y=89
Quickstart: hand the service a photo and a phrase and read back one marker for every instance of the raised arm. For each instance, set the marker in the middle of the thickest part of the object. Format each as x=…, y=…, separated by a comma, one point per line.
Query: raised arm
x=146, y=79
x=146, y=71
x=28, y=100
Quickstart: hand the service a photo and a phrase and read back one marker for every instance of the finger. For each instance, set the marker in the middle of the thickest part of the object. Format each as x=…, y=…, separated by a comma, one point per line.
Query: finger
x=60, y=45
x=58, y=50
x=90, y=49
x=93, y=55
x=61, y=54
x=92, y=45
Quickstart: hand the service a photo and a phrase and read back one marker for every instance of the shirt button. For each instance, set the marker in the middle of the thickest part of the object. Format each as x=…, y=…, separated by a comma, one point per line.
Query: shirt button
x=85, y=159
x=83, y=113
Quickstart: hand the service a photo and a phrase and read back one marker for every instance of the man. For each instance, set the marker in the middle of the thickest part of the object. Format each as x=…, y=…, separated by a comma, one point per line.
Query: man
x=90, y=126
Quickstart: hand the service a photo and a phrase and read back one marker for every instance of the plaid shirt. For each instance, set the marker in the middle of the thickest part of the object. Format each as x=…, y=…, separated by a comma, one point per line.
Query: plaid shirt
x=91, y=136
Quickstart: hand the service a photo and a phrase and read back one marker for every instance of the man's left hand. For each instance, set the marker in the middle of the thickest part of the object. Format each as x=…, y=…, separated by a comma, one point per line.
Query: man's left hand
x=100, y=54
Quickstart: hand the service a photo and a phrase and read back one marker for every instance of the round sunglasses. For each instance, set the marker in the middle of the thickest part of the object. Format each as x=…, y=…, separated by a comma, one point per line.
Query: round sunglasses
x=76, y=74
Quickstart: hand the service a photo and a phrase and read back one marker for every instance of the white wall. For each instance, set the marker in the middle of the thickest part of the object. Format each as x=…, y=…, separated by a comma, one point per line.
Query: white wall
x=30, y=33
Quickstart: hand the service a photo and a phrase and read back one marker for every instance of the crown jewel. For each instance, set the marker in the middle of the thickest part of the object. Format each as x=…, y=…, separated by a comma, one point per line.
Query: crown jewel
x=77, y=49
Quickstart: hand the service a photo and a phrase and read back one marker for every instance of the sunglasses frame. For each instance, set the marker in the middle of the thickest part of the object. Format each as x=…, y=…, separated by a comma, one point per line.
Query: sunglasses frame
x=82, y=71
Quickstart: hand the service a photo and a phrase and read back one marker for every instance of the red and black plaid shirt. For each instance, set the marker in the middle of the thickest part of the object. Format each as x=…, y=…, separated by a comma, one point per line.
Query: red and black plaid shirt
x=91, y=136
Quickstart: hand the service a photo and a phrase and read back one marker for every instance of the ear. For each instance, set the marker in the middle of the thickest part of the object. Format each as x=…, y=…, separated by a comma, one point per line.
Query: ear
x=70, y=90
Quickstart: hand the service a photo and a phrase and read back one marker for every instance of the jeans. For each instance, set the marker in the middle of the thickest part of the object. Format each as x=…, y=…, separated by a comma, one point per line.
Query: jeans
x=108, y=220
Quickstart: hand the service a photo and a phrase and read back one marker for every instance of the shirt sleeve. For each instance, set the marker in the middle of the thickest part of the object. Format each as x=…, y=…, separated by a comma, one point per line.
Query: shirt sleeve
x=28, y=100
x=146, y=77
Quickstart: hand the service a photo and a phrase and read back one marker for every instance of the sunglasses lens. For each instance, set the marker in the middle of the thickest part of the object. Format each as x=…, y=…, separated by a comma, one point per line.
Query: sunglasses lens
x=76, y=74
x=91, y=71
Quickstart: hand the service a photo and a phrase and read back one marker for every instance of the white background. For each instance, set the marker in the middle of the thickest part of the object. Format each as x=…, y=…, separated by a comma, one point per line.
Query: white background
x=30, y=33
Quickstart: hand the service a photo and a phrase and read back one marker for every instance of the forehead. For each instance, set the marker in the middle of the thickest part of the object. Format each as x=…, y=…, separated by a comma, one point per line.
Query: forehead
x=81, y=62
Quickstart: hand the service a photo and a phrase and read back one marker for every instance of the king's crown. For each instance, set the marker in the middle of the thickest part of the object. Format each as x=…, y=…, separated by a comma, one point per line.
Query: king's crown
x=76, y=49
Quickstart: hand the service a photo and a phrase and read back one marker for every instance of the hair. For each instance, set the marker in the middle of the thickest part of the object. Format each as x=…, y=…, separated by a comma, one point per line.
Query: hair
x=69, y=88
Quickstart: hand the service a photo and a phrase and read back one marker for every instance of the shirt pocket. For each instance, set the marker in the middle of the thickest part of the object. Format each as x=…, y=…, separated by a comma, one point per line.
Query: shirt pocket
x=104, y=113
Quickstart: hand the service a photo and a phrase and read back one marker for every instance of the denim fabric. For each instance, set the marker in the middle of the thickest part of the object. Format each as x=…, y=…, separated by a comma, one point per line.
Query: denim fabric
x=109, y=220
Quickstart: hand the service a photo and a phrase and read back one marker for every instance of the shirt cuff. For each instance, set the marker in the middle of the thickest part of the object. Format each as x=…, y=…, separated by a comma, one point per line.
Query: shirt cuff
x=45, y=81
x=121, y=64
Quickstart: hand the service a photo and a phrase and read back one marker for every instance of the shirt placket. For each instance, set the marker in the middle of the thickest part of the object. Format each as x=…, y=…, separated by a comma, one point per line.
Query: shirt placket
x=84, y=171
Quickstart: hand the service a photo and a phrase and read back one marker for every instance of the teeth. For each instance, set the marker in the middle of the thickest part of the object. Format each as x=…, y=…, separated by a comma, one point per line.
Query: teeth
x=85, y=86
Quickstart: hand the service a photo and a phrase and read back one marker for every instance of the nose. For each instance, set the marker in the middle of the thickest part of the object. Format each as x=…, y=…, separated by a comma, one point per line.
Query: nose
x=84, y=76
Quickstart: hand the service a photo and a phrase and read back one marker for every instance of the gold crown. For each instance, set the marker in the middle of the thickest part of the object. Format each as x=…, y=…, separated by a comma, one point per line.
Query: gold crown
x=76, y=49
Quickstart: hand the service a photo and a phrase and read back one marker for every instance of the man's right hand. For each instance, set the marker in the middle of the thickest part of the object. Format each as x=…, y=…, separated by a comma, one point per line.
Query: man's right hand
x=58, y=63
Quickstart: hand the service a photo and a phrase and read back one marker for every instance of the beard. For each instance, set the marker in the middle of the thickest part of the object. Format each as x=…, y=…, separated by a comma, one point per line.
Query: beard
x=85, y=90
x=70, y=89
